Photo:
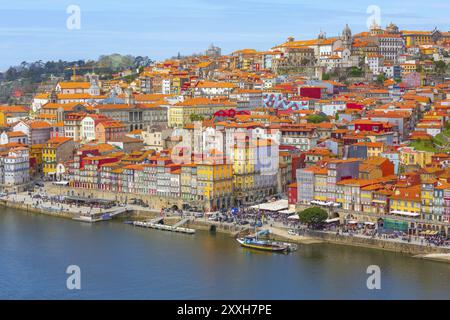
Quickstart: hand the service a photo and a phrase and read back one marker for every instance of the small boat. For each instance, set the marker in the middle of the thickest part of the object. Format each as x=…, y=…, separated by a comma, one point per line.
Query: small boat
x=266, y=245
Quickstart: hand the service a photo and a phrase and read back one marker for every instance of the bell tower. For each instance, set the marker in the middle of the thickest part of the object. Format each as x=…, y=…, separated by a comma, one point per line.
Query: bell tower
x=346, y=37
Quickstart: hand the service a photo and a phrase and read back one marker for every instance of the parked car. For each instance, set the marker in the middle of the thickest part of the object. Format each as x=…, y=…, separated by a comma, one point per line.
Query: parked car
x=198, y=215
x=292, y=232
x=213, y=217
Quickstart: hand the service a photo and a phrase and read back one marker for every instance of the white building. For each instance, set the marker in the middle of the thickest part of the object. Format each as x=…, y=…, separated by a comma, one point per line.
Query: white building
x=74, y=87
x=13, y=137
x=87, y=129
x=391, y=46
x=388, y=69
x=39, y=100
x=37, y=132
x=212, y=89
x=247, y=99
x=15, y=167
x=375, y=62
x=166, y=85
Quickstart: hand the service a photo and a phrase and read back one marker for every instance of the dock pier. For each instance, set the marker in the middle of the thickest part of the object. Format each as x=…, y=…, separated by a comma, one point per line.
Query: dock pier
x=155, y=224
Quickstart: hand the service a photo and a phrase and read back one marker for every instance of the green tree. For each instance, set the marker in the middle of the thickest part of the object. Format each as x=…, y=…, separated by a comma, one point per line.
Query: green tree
x=440, y=66
x=381, y=78
x=317, y=118
x=355, y=72
x=326, y=76
x=314, y=216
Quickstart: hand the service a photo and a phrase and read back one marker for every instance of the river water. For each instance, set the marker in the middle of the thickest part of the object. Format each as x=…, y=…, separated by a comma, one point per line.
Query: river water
x=118, y=261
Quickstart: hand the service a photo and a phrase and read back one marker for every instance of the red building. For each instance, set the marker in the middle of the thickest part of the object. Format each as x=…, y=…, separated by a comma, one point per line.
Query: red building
x=298, y=162
x=312, y=92
x=292, y=193
x=355, y=106
x=373, y=126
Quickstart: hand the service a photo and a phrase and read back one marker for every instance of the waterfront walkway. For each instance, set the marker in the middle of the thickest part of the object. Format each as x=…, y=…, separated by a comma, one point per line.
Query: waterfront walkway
x=416, y=240
x=54, y=206
x=277, y=227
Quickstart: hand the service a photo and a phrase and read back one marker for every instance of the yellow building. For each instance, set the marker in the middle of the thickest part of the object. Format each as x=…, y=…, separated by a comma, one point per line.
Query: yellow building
x=2, y=119
x=180, y=114
x=255, y=172
x=406, y=202
x=214, y=183
x=176, y=84
x=243, y=169
x=374, y=149
x=427, y=194
x=407, y=68
x=412, y=157
x=55, y=151
x=320, y=184
x=417, y=38
x=36, y=153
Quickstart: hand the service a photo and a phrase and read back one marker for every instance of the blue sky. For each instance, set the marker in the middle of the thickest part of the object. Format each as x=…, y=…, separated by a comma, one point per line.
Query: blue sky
x=32, y=30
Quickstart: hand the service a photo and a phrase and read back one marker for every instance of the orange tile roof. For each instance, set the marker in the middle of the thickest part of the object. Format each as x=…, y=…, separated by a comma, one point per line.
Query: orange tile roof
x=74, y=85
x=58, y=141
x=13, y=134
x=39, y=124
x=14, y=109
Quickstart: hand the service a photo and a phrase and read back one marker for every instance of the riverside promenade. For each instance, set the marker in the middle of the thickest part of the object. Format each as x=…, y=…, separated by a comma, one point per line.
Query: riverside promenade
x=24, y=201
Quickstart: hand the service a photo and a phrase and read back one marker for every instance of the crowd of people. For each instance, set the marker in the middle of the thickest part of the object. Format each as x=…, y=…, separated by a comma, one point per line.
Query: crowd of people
x=437, y=240
x=379, y=233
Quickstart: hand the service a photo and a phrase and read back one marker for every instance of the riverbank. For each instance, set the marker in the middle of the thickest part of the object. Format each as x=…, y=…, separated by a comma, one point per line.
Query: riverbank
x=280, y=234
x=380, y=244
x=35, y=210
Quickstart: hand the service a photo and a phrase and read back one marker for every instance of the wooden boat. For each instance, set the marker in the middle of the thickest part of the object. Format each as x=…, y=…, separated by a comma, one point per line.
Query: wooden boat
x=265, y=245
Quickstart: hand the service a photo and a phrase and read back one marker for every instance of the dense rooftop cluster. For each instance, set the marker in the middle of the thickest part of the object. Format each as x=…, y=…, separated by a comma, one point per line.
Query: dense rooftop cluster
x=358, y=121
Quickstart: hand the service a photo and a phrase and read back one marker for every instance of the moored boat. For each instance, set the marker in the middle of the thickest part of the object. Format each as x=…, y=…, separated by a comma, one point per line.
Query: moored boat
x=265, y=245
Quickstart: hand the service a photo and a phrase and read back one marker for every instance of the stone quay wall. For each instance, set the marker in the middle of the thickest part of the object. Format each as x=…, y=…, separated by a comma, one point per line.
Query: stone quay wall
x=155, y=203
x=408, y=248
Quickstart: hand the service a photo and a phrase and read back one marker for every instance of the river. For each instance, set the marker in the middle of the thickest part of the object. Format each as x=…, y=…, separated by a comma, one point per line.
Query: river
x=118, y=261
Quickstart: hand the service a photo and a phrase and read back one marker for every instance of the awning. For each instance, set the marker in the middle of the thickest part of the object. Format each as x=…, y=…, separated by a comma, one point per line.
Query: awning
x=429, y=232
x=332, y=220
x=352, y=222
x=273, y=206
x=294, y=217
x=62, y=183
x=405, y=213
x=369, y=223
x=324, y=203
x=289, y=211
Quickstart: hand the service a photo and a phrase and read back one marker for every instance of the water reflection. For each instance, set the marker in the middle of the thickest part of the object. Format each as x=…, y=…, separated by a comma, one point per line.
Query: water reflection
x=119, y=261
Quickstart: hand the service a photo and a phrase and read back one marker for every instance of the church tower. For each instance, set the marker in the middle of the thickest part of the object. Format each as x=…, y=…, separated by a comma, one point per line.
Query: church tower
x=53, y=96
x=346, y=37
